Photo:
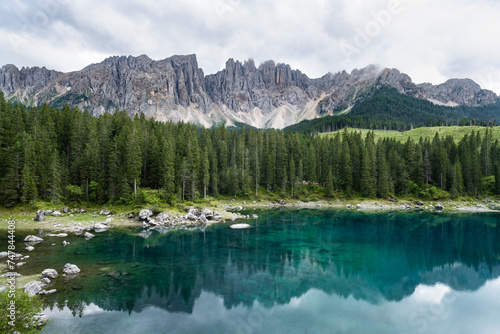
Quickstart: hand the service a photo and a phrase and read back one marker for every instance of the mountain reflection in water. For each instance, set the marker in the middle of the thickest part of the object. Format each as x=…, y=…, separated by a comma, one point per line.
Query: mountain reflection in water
x=347, y=262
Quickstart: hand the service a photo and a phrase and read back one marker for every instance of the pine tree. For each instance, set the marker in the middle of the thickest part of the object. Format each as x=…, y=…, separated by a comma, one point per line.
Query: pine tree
x=366, y=176
x=300, y=176
x=29, y=192
x=382, y=173
x=55, y=178
x=185, y=175
x=292, y=176
x=345, y=168
x=427, y=167
x=329, y=184
x=167, y=171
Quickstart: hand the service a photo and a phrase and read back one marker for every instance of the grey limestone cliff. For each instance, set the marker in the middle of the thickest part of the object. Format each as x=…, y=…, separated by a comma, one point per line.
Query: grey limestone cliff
x=175, y=88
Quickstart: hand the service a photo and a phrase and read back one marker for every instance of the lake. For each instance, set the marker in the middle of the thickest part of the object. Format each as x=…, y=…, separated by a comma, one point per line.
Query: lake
x=294, y=271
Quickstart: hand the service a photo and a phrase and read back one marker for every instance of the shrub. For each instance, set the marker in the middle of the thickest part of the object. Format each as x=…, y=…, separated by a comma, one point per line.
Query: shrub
x=26, y=309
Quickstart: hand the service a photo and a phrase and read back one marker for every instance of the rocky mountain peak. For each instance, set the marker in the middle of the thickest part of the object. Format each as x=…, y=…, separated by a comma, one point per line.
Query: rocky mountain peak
x=175, y=88
x=459, y=92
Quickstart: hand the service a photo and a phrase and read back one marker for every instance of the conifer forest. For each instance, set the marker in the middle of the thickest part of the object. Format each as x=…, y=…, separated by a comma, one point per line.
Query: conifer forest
x=65, y=155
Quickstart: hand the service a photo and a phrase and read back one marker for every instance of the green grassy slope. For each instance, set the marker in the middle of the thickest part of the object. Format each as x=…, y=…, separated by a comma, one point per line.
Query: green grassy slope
x=457, y=132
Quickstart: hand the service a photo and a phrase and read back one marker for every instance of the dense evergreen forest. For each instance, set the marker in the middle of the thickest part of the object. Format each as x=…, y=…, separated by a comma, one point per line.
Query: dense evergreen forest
x=65, y=155
x=386, y=109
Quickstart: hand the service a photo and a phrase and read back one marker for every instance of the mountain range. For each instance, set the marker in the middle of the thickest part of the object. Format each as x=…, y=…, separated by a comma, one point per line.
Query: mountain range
x=268, y=96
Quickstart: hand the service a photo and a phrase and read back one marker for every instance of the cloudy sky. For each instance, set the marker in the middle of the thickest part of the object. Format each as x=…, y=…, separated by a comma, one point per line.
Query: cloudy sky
x=431, y=40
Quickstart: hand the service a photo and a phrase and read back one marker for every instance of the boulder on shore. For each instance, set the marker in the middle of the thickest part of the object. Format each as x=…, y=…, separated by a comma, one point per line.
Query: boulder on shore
x=105, y=212
x=439, y=207
x=88, y=235
x=144, y=214
x=40, y=215
x=100, y=227
x=32, y=288
x=162, y=217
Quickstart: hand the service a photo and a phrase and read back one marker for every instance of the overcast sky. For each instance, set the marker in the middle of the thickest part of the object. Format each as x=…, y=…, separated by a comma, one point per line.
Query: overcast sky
x=431, y=40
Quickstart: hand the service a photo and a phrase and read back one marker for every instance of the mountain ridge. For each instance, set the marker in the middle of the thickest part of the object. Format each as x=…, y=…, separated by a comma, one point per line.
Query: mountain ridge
x=176, y=89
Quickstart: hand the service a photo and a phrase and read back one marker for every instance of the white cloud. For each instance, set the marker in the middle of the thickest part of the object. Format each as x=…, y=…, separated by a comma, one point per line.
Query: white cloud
x=429, y=40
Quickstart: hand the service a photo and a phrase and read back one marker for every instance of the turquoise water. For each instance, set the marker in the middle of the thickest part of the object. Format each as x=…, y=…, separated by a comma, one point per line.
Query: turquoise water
x=302, y=271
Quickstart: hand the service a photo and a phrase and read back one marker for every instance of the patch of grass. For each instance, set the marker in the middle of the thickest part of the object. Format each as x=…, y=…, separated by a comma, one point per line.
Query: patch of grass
x=457, y=132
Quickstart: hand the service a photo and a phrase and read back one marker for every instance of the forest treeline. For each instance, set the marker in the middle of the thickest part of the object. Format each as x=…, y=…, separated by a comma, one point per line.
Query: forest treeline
x=385, y=108
x=64, y=155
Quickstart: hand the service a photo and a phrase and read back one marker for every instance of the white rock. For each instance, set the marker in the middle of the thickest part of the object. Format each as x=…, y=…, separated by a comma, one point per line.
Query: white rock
x=60, y=235
x=88, y=235
x=45, y=292
x=11, y=274
x=144, y=214
x=240, y=226
x=71, y=269
x=100, y=227
x=33, y=239
x=49, y=273
x=32, y=288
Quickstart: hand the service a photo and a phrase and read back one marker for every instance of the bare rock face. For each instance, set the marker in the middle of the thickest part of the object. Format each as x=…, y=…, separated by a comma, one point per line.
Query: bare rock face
x=460, y=92
x=175, y=88
x=242, y=87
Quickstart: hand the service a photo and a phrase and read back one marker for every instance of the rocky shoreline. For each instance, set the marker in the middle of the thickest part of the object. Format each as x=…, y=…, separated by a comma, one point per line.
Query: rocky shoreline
x=82, y=221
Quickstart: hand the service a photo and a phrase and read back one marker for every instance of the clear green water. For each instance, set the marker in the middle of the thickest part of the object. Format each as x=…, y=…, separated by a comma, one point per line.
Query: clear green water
x=302, y=271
